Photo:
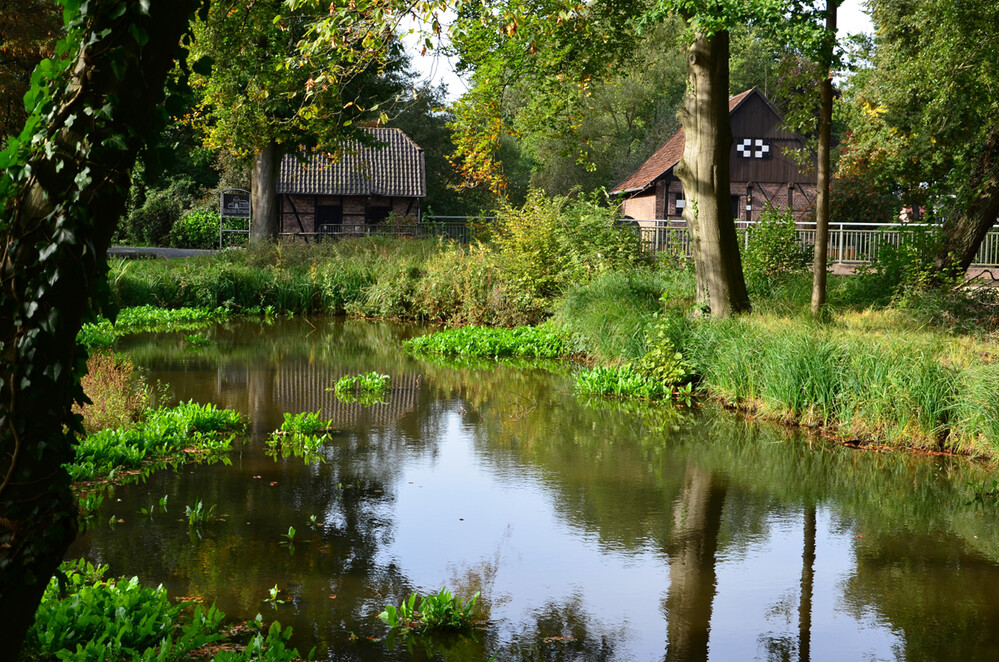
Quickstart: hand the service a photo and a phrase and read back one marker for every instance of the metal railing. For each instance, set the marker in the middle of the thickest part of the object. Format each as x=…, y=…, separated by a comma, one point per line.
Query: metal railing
x=849, y=243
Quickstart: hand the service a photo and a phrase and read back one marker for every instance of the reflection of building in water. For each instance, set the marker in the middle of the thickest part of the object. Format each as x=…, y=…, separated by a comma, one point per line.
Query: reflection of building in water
x=308, y=388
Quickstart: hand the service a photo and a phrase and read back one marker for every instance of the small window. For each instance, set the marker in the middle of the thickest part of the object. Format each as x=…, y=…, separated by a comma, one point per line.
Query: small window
x=680, y=203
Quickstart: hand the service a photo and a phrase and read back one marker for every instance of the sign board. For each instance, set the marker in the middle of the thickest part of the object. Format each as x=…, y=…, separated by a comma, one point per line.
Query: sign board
x=235, y=203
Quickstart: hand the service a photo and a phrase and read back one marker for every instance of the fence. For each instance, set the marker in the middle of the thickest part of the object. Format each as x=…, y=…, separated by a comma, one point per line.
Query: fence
x=457, y=228
x=849, y=243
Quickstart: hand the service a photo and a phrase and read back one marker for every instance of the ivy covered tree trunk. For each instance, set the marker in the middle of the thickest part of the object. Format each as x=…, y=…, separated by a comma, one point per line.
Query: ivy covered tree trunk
x=821, y=259
x=61, y=193
x=263, y=194
x=963, y=235
x=704, y=173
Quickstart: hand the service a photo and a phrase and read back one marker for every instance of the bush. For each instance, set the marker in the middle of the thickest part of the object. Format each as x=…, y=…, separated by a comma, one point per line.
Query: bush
x=118, y=396
x=773, y=250
x=552, y=242
x=198, y=228
x=897, y=269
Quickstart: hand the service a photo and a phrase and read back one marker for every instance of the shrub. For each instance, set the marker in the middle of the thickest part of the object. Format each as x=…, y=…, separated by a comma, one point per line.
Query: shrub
x=118, y=396
x=898, y=268
x=198, y=228
x=551, y=242
x=774, y=251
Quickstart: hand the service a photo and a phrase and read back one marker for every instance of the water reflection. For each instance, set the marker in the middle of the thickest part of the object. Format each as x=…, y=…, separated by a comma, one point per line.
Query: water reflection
x=594, y=532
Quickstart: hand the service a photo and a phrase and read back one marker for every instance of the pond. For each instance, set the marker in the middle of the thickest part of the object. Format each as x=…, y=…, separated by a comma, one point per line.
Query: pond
x=594, y=530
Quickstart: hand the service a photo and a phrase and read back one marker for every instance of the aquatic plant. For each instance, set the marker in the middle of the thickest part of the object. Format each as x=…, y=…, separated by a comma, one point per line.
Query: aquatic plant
x=433, y=613
x=272, y=597
x=542, y=342
x=198, y=515
x=288, y=539
x=621, y=381
x=306, y=423
x=299, y=436
x=83, y=616
x=152, y=509
x=103, y=334
x=165, y=434
x=366, y=388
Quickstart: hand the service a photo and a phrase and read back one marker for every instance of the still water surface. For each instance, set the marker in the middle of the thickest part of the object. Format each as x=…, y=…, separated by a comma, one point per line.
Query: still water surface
x=593, y=531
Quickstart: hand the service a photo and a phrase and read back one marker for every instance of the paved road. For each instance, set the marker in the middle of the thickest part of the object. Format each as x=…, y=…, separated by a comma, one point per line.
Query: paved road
x=134, y=251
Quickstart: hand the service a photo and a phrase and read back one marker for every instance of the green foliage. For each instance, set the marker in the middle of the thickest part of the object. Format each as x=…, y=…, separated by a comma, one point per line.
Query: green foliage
x=621, y=381
x=151, y=223
x=900, y=268
x=164, y=434
x=102, y=333
x=466, y=285
x=550, y=243
x=859, y=191
x=538, y=342
x=923, y=110
x=85, y=617
x=435, y=612
x=609, y=317
x=366, y=388
x=774, y=251
x=198, y=228
x=306, y=423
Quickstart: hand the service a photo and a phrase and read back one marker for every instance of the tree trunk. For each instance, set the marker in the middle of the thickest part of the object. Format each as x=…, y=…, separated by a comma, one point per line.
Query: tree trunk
x=821, y=261
x=704, y=173
x=263, y=194
x=807, y=582
x=58, y=218
x=693, y=543
x=964, y=235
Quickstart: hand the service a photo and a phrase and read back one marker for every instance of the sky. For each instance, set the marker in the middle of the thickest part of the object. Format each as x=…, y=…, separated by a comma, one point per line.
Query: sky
x=433, y=67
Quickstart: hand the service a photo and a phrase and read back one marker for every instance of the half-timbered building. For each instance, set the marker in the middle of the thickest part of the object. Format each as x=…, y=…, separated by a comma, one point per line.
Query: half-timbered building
x=761, y=170
x=358, y=188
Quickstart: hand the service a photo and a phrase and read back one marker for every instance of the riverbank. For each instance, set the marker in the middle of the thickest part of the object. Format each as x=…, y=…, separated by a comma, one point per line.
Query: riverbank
x=905, y=370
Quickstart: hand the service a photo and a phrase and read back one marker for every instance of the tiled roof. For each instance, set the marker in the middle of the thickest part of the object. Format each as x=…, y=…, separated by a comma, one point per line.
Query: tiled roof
x=666, y=157
x=393, y=168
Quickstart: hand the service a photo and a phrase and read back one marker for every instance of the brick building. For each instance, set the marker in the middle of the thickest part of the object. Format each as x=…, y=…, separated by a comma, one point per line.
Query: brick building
x=359, y=188
x=760, y=170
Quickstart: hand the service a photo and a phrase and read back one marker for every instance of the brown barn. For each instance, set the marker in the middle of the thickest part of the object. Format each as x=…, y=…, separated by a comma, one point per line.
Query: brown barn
x=760, y=170
x=362, y=188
